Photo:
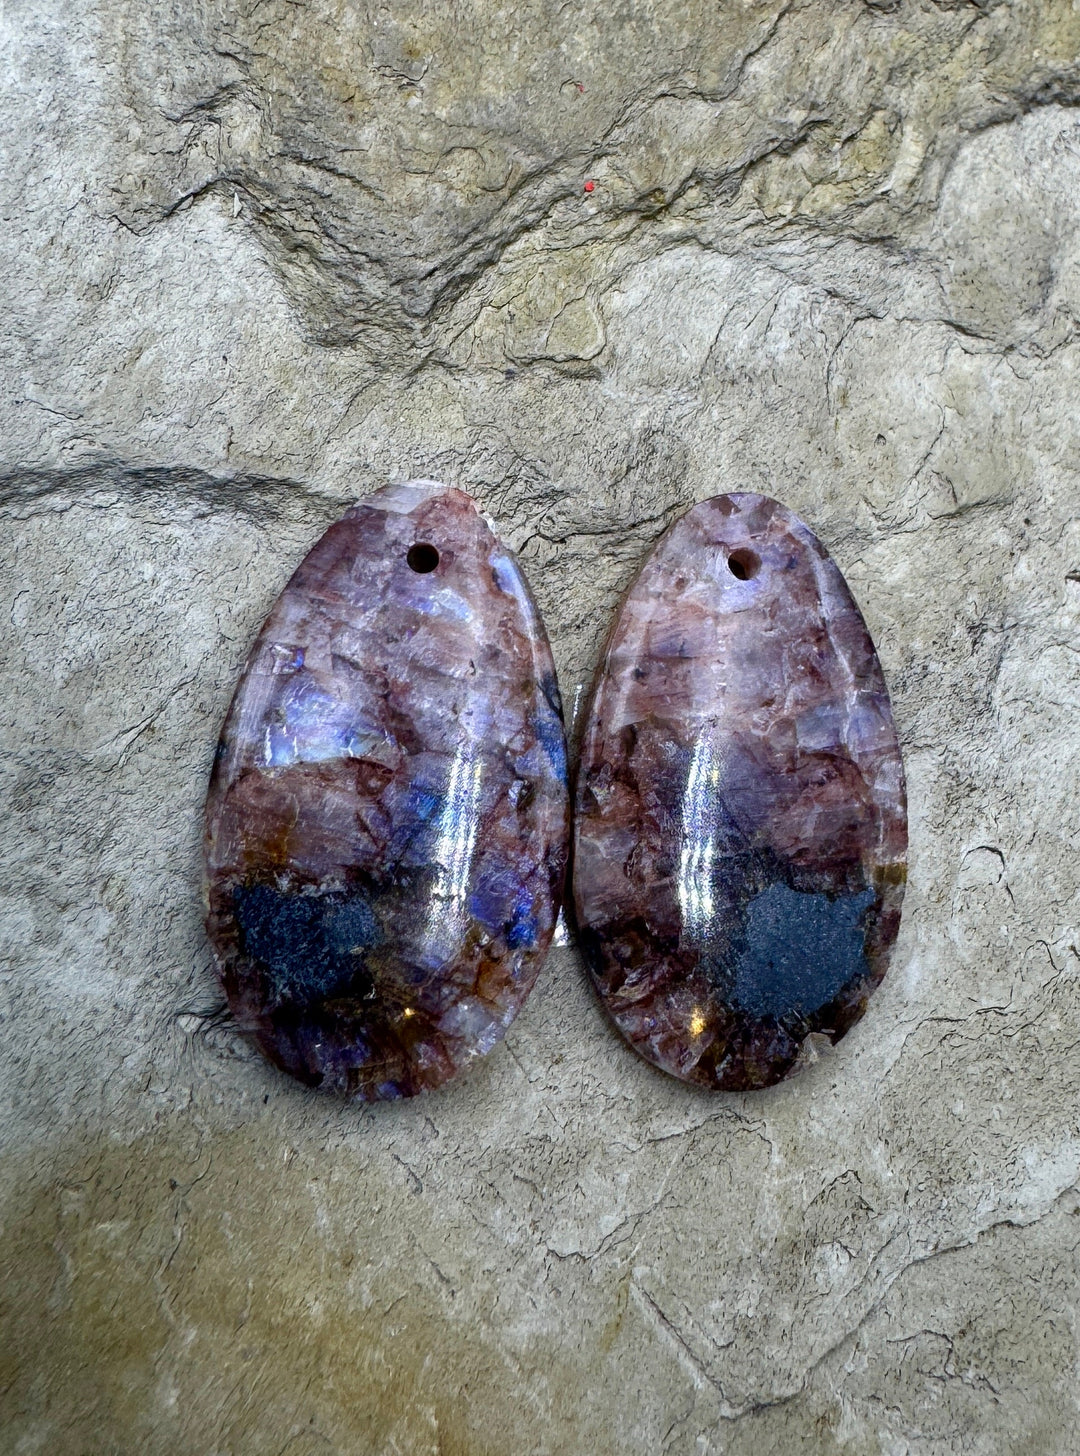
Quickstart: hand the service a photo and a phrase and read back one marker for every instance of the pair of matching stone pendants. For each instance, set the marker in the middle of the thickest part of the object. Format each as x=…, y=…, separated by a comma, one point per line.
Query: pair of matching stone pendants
x=388, y=821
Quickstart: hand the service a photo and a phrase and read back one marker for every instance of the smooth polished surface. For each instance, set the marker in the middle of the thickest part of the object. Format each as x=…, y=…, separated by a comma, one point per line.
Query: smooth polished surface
x=386, y=826
x=741, y=824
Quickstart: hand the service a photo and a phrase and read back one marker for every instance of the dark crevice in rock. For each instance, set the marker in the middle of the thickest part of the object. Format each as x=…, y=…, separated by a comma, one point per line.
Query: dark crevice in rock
x=33, y=491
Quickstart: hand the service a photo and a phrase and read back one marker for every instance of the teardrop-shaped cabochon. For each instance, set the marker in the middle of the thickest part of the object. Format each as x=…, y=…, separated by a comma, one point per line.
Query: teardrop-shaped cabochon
x=387, y=821
x=741, y=824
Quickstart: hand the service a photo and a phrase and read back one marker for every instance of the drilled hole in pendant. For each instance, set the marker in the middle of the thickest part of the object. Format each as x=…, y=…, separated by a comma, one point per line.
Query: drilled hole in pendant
x=422, y=557
x=743, y=564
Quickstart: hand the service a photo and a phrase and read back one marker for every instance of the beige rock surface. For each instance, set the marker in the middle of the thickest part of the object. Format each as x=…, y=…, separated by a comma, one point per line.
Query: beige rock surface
x=259, y=258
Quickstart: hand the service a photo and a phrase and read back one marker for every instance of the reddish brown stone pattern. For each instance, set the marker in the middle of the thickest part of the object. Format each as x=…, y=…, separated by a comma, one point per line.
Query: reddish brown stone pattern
x=741, y=824
x=387, y=821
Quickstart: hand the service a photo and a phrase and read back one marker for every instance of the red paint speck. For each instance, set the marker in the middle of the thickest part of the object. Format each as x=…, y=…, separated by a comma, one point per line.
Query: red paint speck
x=589, y=186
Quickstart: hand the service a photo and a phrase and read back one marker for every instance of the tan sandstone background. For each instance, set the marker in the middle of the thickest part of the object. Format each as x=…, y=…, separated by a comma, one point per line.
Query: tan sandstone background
x=261, y=257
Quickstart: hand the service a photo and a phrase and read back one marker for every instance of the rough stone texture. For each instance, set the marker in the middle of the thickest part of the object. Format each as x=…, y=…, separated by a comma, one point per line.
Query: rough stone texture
x=740, y=823
x=258, y=259
x=387, y=822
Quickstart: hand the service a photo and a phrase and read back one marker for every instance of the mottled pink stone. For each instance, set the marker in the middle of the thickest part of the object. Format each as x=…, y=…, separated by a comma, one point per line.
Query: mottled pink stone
x=387, y=821
x=741, y=826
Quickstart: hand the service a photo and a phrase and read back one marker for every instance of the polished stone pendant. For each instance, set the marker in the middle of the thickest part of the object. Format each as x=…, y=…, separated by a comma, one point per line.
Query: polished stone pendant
x=741, y=827
x=387, y=821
